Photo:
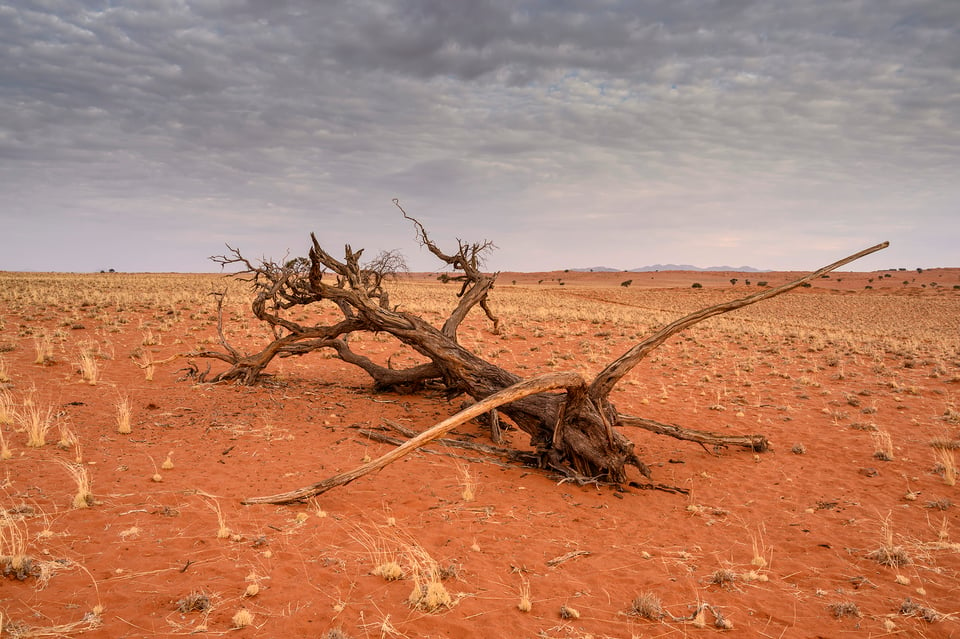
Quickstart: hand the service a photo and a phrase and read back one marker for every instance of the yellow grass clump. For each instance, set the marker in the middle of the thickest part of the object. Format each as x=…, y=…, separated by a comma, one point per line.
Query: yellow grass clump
x=36, y=423
x=89, y=369
x=947, y=464
x=13, y=547
x=123, y=416
x=242, y=618
x=83, y=498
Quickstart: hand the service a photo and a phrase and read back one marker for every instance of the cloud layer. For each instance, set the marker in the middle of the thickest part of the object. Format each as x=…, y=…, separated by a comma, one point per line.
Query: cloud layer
x=144, y=135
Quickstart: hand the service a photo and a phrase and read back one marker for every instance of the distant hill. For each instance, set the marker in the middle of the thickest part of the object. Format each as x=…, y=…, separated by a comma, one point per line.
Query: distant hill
x=688, y=267
x=670, y=267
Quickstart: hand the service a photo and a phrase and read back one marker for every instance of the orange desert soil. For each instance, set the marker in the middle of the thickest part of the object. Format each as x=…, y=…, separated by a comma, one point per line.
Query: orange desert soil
x=826, y=535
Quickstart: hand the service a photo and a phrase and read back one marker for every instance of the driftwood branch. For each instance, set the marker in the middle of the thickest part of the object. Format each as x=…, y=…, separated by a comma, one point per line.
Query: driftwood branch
x=518, y=391
x=756, y=443
x=614, y=372
x=515, y=456
x=576, y=432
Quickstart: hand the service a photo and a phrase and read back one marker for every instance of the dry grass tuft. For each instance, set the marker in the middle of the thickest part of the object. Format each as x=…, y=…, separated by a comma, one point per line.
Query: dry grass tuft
x=469, y=483
x=882, y=445
x=566, y=612
x=389, y=570
x=83, y=497
x=723, y=578
x=889, y=554
x=36, y=423
x=525, y=604
x=89, y=369
x=14, y=561
x=223, y=532
x=123, y=416
x=946, y=464
x=5, y=452
x=647, y=606
x=759, y=549
x=428, y=594
x=43, y=347
x=7, y=414
x=383, y=552
x=195, y=602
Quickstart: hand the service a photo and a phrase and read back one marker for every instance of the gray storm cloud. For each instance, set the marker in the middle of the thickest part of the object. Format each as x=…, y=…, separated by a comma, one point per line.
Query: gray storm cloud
x=571, y=133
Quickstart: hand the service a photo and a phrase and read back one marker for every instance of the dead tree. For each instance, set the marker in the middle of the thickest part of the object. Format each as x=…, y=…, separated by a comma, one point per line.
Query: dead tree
x=574, y=431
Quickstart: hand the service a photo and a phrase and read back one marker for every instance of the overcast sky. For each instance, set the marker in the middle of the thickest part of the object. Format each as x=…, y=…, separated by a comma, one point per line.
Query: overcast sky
x=143, y=135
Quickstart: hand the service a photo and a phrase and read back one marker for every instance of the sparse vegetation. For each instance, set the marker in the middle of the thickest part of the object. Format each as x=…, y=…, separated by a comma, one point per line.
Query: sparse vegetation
x=123, y=416
x=36, y=422
x=841, y=609
x=647, y=606
x=772, y=368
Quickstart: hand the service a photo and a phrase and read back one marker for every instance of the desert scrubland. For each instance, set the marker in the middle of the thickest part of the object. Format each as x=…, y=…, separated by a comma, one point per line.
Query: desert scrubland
x=121, y=478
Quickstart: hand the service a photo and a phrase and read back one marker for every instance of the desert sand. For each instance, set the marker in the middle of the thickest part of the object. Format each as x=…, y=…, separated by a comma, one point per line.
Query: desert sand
x=848, y=527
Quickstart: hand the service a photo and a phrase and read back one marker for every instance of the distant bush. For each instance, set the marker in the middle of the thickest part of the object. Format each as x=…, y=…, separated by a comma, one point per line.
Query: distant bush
x=761, y=283
x=626, y=283
x=696, y=285
x=806, y=285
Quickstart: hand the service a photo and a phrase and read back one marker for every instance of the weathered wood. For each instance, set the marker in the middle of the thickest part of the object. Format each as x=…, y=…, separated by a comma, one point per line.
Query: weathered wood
x=756, y=443
x=575, y=432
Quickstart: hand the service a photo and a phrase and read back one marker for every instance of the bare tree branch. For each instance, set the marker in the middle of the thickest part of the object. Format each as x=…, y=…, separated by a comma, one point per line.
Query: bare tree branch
x=614, y=372
x=520, y=390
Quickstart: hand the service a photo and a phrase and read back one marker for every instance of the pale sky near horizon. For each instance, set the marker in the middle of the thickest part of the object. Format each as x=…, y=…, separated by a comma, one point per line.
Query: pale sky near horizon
x=143, y=135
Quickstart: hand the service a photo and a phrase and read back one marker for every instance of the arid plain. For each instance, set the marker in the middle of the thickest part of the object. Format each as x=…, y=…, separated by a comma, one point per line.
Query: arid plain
x=848, y=527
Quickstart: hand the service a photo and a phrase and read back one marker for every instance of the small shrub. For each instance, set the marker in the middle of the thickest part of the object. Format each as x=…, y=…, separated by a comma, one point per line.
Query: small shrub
x=894, y=556
x=194, y=602
x=910, y=608
x=722, y=578
x=696, y=285
x=647, y=606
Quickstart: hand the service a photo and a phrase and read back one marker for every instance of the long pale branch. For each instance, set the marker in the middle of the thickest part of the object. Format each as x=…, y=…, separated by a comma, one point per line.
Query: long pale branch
x=551, y=381
x=614, y=372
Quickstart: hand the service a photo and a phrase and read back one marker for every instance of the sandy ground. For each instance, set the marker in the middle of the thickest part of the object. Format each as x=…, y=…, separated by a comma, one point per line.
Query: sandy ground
x=847, y=528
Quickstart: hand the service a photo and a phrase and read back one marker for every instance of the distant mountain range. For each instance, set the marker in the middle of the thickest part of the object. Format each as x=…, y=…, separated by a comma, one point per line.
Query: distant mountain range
x=669, y=267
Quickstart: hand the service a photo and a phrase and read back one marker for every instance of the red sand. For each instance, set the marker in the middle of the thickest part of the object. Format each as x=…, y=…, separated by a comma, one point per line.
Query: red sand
x=778, y=543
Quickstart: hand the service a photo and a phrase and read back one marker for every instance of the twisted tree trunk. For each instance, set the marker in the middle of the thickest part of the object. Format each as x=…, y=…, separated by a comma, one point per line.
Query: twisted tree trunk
x=574, y=431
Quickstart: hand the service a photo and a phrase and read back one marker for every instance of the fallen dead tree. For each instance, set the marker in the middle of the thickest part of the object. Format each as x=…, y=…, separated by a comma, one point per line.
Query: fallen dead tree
x=572, y=424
